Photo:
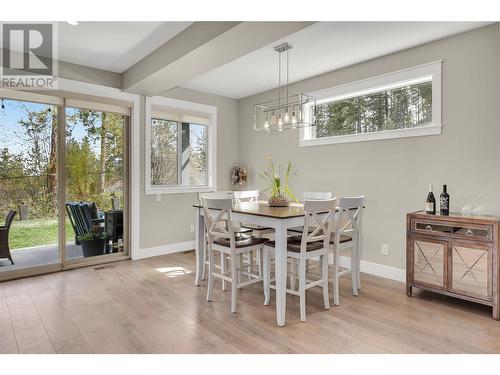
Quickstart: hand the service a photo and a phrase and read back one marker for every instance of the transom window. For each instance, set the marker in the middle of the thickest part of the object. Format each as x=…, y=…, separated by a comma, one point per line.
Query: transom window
x=400, y=104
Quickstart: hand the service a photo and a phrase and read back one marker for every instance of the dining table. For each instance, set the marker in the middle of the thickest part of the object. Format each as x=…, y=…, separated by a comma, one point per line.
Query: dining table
x=258, y=213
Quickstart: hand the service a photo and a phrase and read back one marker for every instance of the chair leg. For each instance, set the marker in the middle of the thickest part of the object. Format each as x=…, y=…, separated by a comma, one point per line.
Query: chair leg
x=324, y=275
x=251, y=262
x=267, y=276
x=259, y=262
x=204, y=270
x=302, y=289
x=336, y=299
x=358, y=265
x=239, y=267
x=354, y=270
x=223, y=269
x=235, y=260
x=293, y=274
x=211, y=264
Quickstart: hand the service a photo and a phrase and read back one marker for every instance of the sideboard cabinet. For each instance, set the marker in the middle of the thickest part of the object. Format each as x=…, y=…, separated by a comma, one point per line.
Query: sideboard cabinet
x=455, y=255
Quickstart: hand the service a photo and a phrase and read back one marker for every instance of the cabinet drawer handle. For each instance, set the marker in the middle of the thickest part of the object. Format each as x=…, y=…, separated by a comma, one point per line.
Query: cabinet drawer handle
x=469, y=232
x=428, y=228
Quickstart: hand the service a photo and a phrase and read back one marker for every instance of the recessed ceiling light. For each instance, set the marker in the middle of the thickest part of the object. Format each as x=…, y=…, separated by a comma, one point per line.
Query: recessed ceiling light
x=74, y=23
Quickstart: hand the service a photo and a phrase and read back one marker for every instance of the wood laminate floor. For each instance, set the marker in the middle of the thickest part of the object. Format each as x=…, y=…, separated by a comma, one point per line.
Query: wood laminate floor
x=152, y=306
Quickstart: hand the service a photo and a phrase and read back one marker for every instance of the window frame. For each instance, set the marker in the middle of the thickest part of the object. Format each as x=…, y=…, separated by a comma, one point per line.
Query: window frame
x=430, y=72
x=184, y=111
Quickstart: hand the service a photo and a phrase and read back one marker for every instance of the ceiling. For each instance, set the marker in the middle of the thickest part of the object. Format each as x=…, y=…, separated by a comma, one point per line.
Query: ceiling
x=320, y=48
x=113, y=46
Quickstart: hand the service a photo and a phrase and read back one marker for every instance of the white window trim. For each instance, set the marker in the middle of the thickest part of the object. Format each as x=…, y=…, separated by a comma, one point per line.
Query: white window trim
x=182, y=108
x=422, y=73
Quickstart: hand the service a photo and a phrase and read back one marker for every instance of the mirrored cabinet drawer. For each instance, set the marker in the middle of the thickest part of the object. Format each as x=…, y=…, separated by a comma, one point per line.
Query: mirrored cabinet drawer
x=457, y=230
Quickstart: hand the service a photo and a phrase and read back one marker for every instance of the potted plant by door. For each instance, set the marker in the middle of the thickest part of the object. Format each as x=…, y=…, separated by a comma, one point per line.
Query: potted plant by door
x=278, y=184
x=94, y=242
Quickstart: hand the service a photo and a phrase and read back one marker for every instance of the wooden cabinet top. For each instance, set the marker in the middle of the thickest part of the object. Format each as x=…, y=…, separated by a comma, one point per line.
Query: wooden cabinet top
x=456, y=217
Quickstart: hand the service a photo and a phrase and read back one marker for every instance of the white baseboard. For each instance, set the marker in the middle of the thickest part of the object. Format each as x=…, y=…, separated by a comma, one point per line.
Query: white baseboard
x=375, y=269
x=162, y=250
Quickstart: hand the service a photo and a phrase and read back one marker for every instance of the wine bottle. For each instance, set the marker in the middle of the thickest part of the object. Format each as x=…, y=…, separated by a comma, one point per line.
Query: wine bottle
x=444, y=202
x=430, y=203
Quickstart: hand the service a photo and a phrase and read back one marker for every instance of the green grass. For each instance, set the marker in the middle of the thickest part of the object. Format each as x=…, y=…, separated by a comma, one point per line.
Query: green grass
x=36, y=232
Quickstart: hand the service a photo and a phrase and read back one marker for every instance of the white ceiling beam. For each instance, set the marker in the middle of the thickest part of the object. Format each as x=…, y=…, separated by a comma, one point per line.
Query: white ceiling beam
x=200, y=48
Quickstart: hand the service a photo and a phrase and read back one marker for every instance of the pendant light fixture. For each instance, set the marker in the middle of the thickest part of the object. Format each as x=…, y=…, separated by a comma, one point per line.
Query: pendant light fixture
x=286, y=111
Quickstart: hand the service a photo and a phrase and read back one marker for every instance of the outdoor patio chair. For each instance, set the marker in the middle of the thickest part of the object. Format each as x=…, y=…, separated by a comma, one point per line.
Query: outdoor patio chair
x=4, y=237
x=83, y=217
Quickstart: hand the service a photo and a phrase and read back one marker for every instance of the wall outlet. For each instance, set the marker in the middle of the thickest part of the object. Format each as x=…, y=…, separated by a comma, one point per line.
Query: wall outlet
x=384, y=250
x=191, y=228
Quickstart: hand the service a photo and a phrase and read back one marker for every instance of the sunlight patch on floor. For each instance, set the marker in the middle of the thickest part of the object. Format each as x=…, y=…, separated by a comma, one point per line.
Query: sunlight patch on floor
x=173, y=271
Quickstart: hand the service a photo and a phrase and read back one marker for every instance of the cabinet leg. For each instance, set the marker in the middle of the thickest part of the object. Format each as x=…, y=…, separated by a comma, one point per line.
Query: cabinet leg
x=496, y=312
x=408, y=290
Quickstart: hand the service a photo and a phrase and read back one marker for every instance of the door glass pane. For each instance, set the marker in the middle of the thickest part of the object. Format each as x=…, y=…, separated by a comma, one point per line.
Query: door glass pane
x=470, y=271
x=28, y=184
x=94, y=183
x=428, y=263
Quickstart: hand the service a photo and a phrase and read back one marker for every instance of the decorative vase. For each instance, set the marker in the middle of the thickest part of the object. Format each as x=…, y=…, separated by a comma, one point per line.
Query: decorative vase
x=279, y=201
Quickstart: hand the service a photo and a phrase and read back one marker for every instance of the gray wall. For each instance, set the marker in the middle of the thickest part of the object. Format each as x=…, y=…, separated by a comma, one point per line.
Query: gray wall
x=169, y=221
x=394, y=174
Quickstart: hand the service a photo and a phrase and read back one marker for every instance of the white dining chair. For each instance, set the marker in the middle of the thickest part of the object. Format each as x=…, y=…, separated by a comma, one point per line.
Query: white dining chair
x=318, y=214
x=345, y=236
x=311, y=196
x=258, y=230
x=316, y=195
x=221, y=194
x=223, y=239
x=306, y=195
x=251, y=196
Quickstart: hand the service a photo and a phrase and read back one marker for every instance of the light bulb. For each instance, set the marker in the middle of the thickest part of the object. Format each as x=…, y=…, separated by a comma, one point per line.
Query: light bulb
x=287, y=117
x=294, y=118
x=280, y=121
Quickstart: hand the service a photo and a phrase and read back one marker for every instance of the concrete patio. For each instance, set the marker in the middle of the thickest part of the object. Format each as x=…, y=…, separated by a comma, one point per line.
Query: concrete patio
x=38, y=256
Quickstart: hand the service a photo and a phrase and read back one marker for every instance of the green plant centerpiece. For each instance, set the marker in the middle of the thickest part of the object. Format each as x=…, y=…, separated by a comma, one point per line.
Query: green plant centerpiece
x=277, y=183
x=93, y=242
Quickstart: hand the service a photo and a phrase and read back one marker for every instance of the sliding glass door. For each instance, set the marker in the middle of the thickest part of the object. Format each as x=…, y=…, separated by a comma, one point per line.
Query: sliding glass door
x=29, y=224
x=64, y=177
x=95, y=185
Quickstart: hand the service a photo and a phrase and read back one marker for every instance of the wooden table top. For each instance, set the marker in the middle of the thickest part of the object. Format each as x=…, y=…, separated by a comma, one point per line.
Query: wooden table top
x=261, y=208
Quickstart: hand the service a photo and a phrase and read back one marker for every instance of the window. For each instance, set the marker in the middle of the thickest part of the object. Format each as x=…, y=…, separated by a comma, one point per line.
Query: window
x=180, y=146
x=179, y=153
x=402, y=104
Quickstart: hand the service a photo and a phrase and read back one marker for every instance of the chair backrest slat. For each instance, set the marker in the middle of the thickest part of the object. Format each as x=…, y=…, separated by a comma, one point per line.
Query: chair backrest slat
x=246, y=195
x=216, y=195
x=319, y=215
x=217, y=214
x=348, y=220
x=317, y=195
x=9, y=219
